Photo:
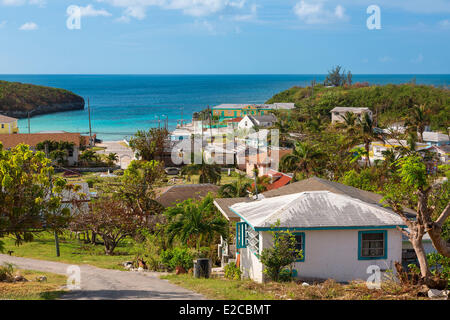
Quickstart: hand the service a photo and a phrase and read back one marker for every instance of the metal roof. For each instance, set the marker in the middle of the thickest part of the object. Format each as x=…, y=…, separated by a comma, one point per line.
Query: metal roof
x=316, y=209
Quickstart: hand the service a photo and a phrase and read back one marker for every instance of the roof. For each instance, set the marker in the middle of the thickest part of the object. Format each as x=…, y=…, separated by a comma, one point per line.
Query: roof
x=317, y=184
x=349, y=109
x=172, y=195
x=279, y=182
x=274, y=106
x=223, y=204
x=314, y=209
x=32, y=139
x=435, y=137
x=266, y=118
x=6, y=119
x=445, y=148
x=237, y=119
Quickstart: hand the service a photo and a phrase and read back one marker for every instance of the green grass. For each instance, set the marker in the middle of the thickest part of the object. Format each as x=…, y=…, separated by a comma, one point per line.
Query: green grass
x=224, y=180
x=33, y=290
x=220, y=289
x=72, y=251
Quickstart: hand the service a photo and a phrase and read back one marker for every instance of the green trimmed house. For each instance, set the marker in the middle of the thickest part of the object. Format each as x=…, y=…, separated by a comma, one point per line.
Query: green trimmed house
x=341, y=230
x=231, y=111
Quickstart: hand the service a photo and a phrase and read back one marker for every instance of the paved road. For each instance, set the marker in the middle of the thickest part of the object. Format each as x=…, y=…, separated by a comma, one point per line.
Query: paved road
x=105, y=284
x=125, y=154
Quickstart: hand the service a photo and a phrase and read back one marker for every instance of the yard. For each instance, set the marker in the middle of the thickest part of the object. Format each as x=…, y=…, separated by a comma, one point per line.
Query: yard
x=224, y=289
x=72, y=251
x=33, y=290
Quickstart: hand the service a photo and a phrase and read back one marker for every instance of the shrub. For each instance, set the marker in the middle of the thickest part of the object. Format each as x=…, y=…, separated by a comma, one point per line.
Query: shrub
x=177, y=257
x=439, y=265
x=91, y=182
x=6, y=272
x=232, y=271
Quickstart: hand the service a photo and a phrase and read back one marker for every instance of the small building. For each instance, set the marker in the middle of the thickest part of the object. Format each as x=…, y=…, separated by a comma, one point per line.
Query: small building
x=435, y=138
x=266, y=161
x=233, y=124
x=172, y=195
x=442, y=153
x=277, y=179
x=338, y=113
x=8, y=125
x=227, y=111
x=33, y=139
x=339, y=236
x=249, y=122
x=379, y=147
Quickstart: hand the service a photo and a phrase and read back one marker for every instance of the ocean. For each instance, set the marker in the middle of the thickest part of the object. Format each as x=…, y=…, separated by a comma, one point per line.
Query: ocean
x=123, y=104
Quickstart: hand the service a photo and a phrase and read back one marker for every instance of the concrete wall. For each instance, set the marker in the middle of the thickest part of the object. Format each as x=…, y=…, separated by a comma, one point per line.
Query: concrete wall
x=330, y=254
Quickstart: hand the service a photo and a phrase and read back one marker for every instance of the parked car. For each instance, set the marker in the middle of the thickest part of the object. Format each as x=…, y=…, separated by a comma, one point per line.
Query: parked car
x=172, y=171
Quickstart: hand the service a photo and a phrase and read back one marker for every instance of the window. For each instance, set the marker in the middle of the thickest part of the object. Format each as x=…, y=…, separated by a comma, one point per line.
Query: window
x=300, y=244
x=3, y=126
x=372, y=245
x=241, y=232
x=253, y=240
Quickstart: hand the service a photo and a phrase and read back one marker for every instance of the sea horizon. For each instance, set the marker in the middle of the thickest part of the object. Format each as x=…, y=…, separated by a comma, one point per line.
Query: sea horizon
x=121, y=104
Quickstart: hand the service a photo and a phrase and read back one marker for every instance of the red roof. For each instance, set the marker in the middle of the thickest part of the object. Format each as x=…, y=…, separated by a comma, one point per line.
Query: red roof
x=280, y=182
x=238, y=119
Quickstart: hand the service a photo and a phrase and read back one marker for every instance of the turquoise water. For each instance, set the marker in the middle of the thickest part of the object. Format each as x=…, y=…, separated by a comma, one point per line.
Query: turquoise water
x=122, y=104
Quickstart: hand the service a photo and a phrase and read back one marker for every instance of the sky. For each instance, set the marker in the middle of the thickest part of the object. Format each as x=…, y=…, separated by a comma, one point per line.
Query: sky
x=223, y=36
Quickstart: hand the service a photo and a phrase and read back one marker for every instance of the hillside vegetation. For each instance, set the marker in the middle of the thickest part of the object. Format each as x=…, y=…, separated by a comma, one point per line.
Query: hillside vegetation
x=17, y=99
x=389, y=103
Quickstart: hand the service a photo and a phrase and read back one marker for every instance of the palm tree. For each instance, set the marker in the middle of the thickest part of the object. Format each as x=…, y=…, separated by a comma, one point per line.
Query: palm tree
x=195, y=222
x=112, y=158
x=368, y=134
x=208, y=173
x=302, y=159
x=418, y=120
x=236, y=189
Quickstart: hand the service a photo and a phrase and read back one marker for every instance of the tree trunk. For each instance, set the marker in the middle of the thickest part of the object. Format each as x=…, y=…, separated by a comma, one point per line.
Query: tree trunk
x=422, y=258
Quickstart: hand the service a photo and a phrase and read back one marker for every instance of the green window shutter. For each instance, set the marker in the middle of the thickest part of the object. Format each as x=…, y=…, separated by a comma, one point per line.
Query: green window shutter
x=241, y=230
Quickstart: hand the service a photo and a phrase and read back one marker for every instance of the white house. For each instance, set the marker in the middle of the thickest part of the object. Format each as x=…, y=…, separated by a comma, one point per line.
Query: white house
x=261, y=121
x=435, y=138
x=338, y=113
x=340, y=236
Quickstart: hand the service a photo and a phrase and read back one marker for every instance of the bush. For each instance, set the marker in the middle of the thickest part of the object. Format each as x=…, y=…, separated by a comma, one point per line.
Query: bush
x=232, y=271
x=91, y=182
x=177, y=257
x=6, y=272
x=439, y=265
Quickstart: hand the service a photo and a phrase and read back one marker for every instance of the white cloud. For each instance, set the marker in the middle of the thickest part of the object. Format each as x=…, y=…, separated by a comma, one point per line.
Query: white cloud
x=419, y=59
x=90, y=11
x=252, y=15
x=385, y=59
x=39, y=3
x=29, y=26
x=445, y=23
x=198, y=8
x=314, y=12
x=2, y=24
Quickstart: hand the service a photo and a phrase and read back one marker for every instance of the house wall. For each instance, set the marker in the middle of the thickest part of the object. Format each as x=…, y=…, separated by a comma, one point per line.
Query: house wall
x=337, y=116
x=8, y=128
x=330, y=254
x=245, y=123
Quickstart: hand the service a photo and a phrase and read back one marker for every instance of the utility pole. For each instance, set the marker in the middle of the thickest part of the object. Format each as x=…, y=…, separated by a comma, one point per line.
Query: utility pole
x=51, y=194
x=29, y=130
x=90, y=127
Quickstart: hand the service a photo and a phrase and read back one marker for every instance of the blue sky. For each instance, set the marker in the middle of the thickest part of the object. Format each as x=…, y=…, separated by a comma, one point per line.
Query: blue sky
x=224, y=36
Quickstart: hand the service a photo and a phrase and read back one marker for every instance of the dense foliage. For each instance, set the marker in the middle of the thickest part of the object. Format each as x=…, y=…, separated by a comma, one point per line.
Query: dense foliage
x=16, y=96
x=389, y=102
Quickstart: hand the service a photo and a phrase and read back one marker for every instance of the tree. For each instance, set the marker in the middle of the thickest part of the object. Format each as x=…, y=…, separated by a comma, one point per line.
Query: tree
x=335, y=77
x=368, y=134
x=236, y=189
x=415, y=186
x=418, y=119
x=112, y=220
x=29, y=197
x=149, y=145
x=208, y=173
x=282, y=254
x=137, y=189
x=112, y=158
x=195, y=222
x=301, y=160
x=88, y=156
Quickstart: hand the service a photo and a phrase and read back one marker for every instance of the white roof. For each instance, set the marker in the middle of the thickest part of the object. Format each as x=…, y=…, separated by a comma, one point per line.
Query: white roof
x=435, y=136
x=350, y=109
x=275, y=106
x=314, y=209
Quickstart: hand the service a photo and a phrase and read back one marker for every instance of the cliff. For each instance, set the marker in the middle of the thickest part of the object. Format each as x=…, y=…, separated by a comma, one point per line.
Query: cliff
x=17, y=99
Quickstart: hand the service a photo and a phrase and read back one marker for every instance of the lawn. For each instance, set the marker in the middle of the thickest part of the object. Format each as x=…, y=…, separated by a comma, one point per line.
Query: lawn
x=223, y=289
x=33, y=290
x=72, y=251
x=219, y=289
